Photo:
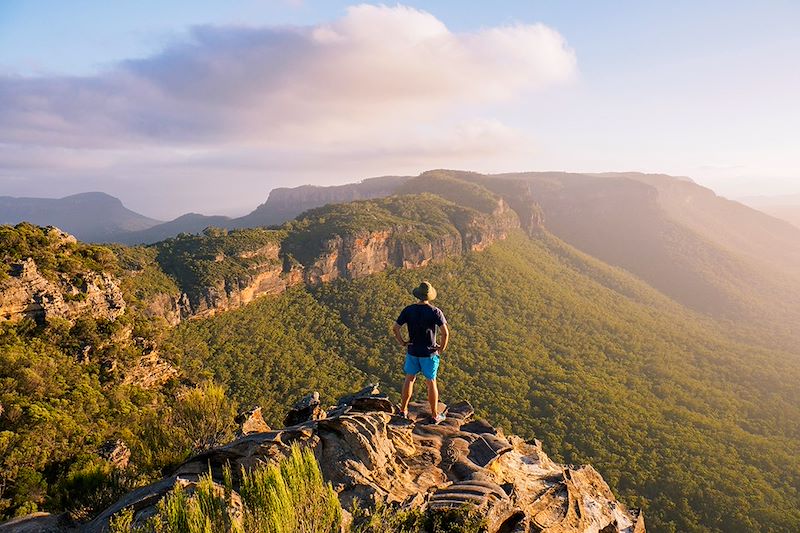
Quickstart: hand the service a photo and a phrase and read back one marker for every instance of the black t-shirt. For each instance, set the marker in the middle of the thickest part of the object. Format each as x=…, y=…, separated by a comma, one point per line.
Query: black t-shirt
x=422, y=320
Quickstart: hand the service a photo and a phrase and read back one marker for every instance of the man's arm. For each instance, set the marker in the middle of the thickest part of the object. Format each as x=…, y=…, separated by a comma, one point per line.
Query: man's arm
x=398, y=335
x=445, y=332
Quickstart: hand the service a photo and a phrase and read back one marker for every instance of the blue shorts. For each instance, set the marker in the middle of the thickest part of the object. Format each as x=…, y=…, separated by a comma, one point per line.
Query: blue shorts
x=427, y=365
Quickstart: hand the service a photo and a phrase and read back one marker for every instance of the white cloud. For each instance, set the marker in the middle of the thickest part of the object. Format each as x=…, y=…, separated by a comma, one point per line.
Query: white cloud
x=383, y=81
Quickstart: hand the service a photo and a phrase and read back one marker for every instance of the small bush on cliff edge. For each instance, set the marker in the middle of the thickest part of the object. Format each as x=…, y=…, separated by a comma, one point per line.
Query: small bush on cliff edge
x=288, y=497
x=200, y=418
x=388, y=519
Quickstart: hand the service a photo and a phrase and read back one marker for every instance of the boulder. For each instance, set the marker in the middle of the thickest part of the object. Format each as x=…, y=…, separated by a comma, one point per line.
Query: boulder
x=116, y=452
x=305, y=409
x=251, y=422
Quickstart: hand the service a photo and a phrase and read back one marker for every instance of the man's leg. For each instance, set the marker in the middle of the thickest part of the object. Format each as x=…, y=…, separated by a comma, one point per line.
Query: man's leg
x=408, y=387
x=433, y=396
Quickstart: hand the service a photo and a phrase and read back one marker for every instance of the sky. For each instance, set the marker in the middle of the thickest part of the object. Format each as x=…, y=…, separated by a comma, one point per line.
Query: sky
x=204, y=106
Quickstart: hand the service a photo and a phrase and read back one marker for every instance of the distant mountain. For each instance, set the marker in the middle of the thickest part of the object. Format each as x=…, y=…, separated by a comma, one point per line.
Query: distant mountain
x=765, y=201
x=789, y=213
x=188, y=223
x=713, y=255
x=785, y=207
x=91, y=216
x=728, y=223
x=286, y=203
x=283, y=204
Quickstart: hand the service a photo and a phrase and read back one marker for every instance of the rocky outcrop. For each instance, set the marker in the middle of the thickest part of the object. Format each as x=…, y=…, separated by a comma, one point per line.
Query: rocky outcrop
x=369, y=453
x=116, y=453
x=251, y=422
x=265, y=275
x=27, y=293
x=149, y=372
x=305, y=409
x=37, y=523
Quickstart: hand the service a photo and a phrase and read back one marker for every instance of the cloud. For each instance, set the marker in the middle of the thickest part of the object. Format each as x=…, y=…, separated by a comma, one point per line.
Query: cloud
x=376, y=65
x=379, y=81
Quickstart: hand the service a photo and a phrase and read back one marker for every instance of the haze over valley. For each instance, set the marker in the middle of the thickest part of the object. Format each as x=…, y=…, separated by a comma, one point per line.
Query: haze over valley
x=199, y=309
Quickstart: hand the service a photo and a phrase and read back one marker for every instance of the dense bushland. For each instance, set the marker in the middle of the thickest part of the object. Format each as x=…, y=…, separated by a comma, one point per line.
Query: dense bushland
x=680, y=418
x=700, y=431
x=58, y=406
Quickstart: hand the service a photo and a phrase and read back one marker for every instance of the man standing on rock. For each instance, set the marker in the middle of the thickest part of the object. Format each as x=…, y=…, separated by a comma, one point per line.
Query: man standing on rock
x=422, y=353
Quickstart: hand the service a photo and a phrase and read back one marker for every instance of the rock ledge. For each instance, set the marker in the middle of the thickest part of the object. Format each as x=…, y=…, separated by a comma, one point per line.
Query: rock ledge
x=369, y=453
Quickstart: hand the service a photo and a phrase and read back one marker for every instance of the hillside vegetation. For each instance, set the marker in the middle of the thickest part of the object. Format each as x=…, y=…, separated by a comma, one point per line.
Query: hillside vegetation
x=685, y=398
x=710, y=254
x=699, y=430
x=53, y=251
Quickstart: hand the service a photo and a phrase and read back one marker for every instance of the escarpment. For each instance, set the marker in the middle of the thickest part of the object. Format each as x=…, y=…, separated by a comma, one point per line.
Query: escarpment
x=222, y=270
x=193, y=276
x=371, y=454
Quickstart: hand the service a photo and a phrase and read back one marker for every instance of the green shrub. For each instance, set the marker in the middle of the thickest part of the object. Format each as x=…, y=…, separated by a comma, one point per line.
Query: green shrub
x=52, y=255
x=201, y=418
x=388, y=519
x=204, y=511
x=288, y=497
x=205, y=415
x=121, y=522
x=90, y=487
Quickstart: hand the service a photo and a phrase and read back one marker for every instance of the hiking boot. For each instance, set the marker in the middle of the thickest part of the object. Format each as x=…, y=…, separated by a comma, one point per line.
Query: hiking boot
x=401, y=412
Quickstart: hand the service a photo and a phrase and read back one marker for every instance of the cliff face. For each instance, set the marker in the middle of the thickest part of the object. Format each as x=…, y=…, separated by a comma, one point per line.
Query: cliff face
x=28, y=293
x=366, y=253
x=331, y=247
x=369, y=454
x=265, y=275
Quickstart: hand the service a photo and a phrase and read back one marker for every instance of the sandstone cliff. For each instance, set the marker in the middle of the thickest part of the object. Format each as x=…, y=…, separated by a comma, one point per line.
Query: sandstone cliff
x=371, y=454
x=221, y=270
x=26, y=292
x=363, y=253
x=342, y=241
x=262, y=274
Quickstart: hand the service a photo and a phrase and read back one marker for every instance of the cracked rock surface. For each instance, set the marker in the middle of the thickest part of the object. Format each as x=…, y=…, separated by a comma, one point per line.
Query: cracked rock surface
x=368, y=452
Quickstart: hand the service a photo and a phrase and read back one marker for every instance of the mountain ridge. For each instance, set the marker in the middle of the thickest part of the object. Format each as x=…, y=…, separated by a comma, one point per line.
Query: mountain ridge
x=550, y=341
x=92, y=216
x=221, y=270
